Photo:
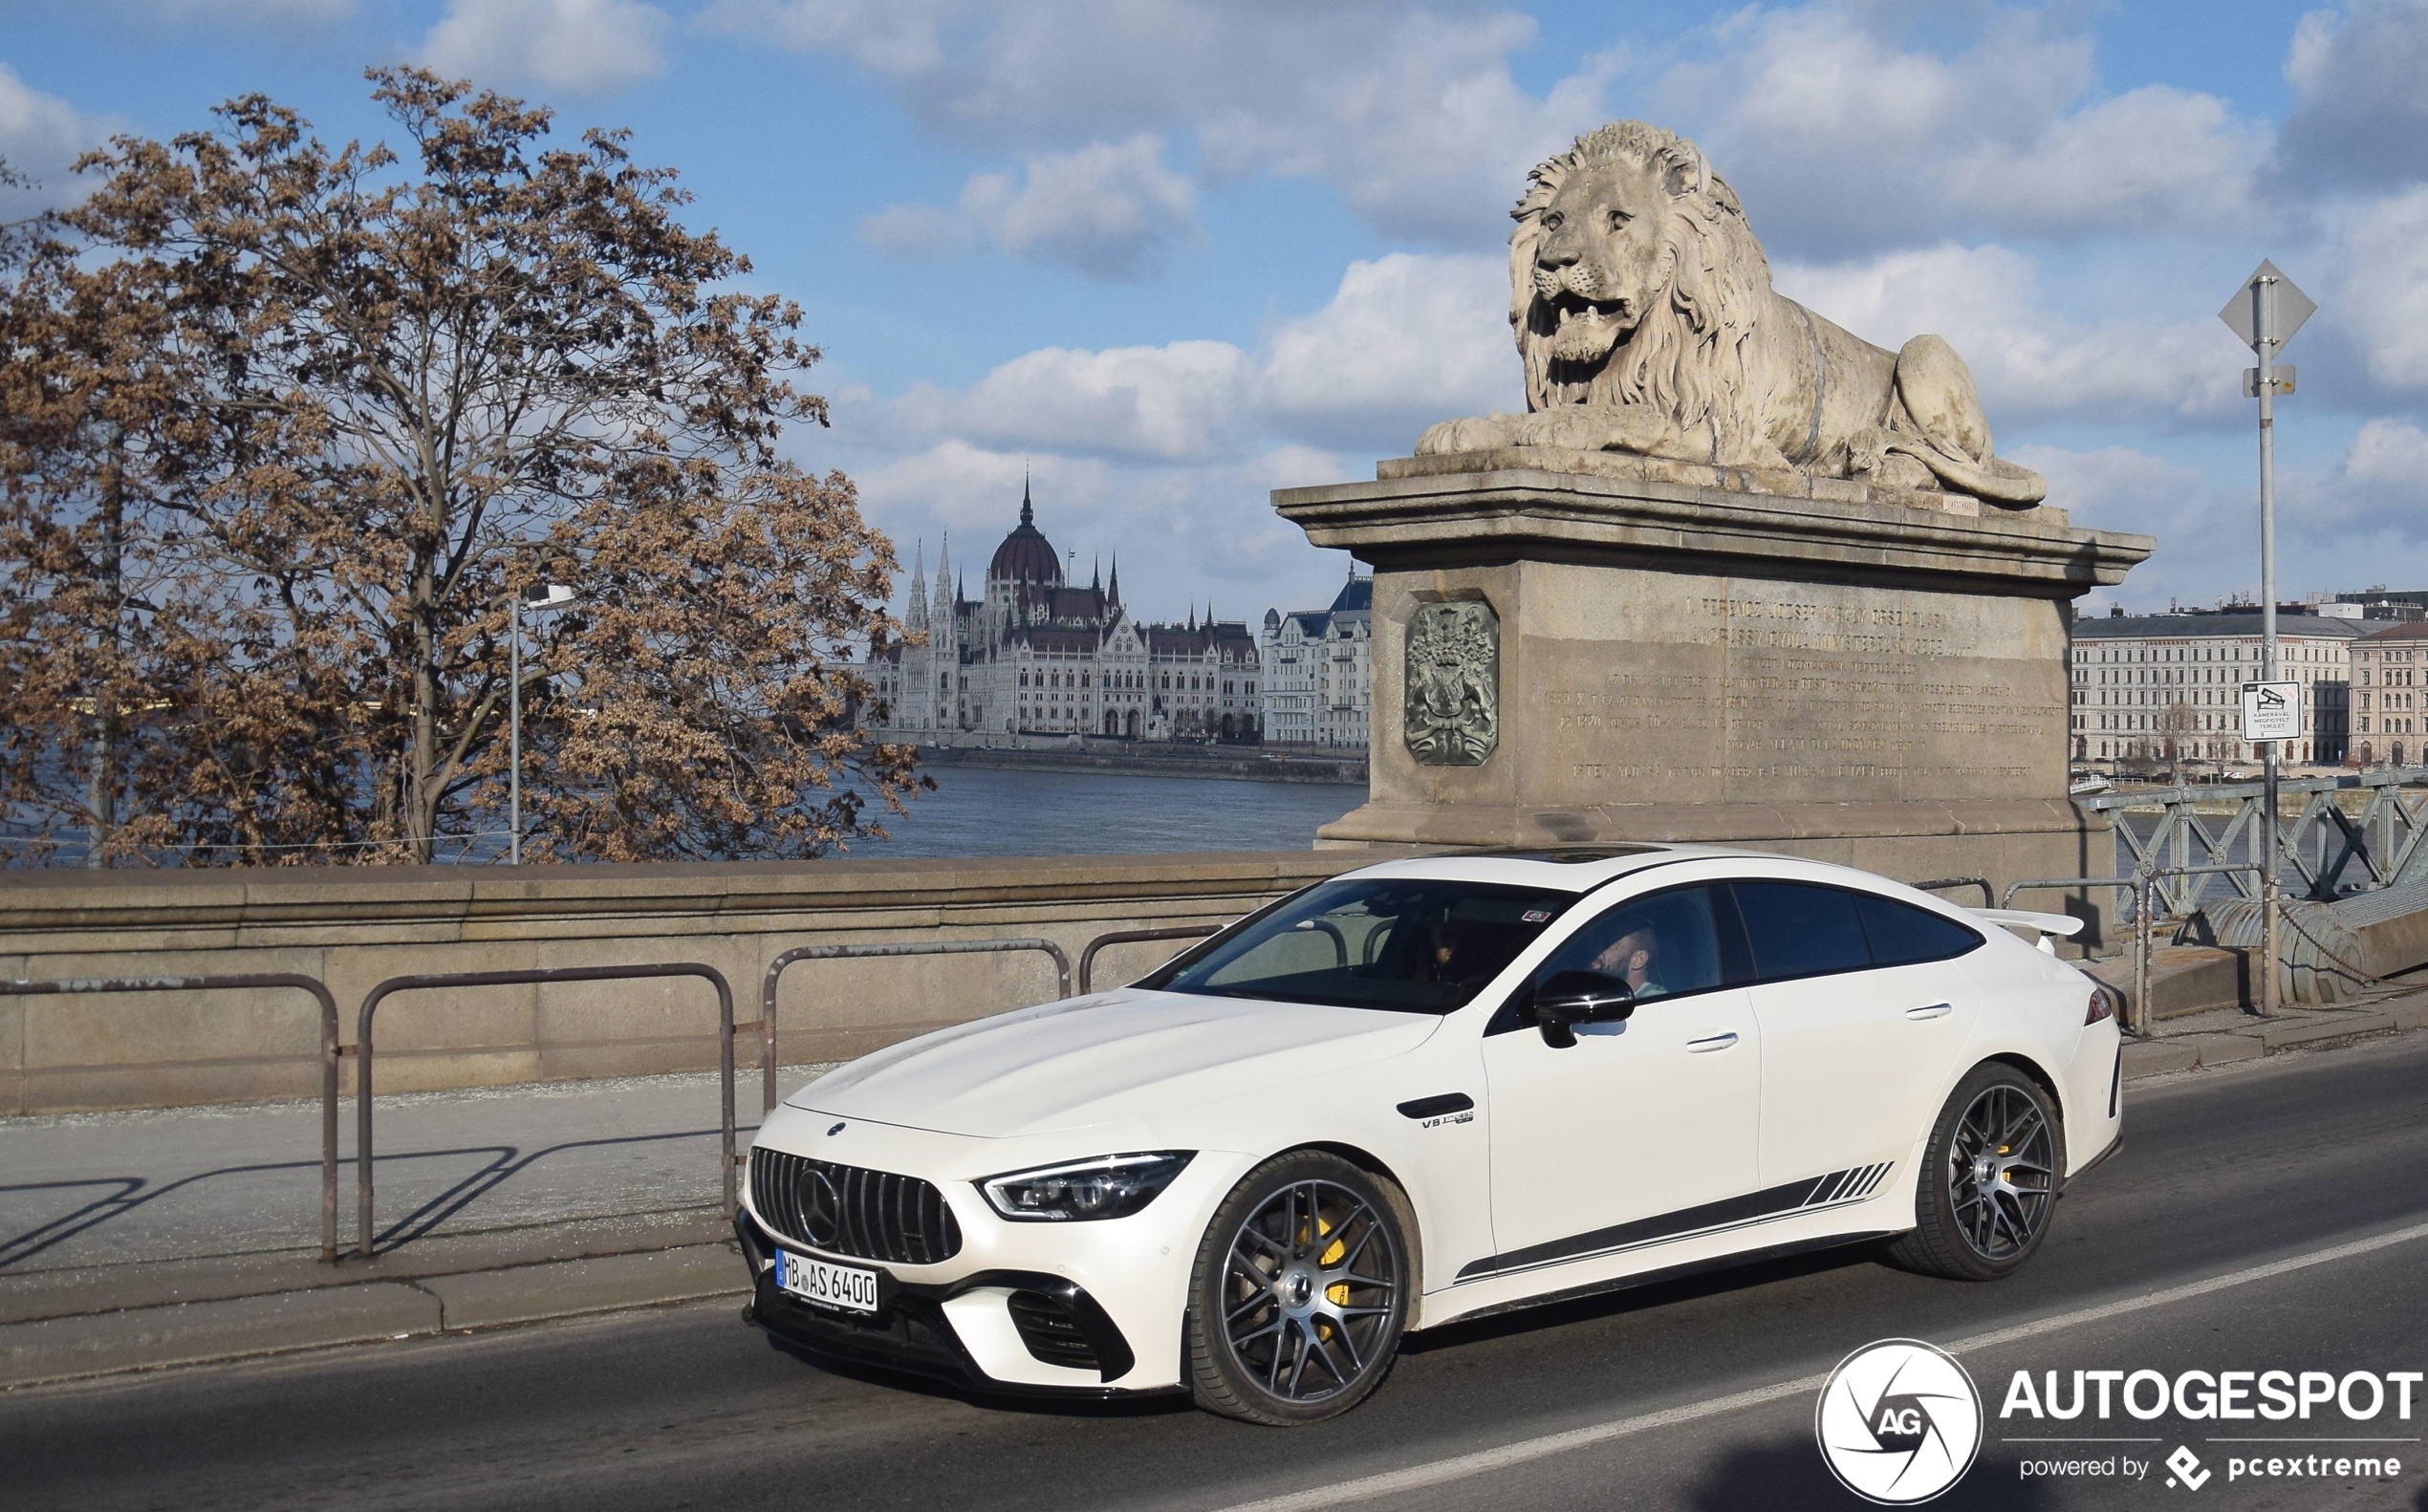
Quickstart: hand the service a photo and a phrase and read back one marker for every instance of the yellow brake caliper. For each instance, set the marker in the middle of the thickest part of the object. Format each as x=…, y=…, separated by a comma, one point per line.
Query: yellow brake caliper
x=1338, y=1291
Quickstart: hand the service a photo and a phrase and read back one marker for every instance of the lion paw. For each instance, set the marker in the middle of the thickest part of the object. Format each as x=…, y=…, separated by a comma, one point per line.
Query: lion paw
x=1474, y=433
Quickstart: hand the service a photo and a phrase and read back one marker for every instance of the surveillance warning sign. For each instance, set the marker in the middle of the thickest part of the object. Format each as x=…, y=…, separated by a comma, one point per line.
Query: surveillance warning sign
x=2271, y=711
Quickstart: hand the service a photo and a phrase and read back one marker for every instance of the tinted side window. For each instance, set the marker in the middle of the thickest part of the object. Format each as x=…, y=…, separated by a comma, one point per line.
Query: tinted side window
x=1902, y=934
x=1801, y=929
x=1662, y=946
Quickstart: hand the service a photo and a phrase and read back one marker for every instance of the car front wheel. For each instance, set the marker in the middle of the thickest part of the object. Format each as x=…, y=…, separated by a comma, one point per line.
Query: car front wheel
x=1300, y=1292
x=1988, y=1186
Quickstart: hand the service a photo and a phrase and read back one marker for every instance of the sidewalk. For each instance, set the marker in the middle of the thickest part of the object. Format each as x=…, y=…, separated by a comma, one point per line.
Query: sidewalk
x=137, y=1240
x=2222, y=1036
x=130, y=1239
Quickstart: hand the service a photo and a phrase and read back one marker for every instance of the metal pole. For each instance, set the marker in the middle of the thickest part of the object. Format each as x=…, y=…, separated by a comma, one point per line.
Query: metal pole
x=514, y=735
x=2264, y=290
x=2140, y=1007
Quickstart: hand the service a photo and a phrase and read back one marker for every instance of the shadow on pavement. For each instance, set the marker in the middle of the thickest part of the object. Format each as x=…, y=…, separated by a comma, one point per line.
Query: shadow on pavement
x=1787, y=1474
x=1632, y=1296
x=1164, y=1404
x=130, y=1193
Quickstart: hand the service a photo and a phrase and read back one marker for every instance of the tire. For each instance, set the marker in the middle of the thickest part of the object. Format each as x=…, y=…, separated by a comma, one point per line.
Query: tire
x=1987, y=1191
x=1292, y=1320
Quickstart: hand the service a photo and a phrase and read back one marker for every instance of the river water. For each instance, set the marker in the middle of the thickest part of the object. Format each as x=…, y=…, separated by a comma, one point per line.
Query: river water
x=977, y=811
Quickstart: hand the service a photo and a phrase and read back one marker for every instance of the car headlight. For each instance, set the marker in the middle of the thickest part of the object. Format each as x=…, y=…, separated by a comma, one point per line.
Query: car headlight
x=1105, y=1186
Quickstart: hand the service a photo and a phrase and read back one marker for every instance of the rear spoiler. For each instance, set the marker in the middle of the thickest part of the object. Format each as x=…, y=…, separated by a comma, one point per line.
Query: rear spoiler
x=2043, y=925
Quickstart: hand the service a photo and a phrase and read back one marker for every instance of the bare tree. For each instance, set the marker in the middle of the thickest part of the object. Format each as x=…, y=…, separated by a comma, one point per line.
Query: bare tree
x=418, y=385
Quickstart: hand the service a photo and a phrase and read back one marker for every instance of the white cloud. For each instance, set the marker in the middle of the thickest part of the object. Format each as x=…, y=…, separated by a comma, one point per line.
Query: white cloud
x=578, y=46
x=1839, y=136
x=40, y=134
x=2380, y=303
x=2031, y=362
x=1180, y=533
x=917, y=230
x=1413, y=114
x=896, y=38
x=2359, y=114
x=2382, y=480
x=1111, y=211
x=1181, y=400
x=1405, y=341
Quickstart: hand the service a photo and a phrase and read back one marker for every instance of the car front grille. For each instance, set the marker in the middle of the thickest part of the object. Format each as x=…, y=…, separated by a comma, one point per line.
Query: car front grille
x=1049, y=1331
x=846, y=1210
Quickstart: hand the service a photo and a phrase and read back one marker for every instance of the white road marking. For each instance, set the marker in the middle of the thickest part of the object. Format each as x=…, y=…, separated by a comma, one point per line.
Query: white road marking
x=1459, y=1467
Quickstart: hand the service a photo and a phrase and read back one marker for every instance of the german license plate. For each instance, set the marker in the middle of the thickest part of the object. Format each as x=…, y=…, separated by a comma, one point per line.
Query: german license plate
x=849, y=1288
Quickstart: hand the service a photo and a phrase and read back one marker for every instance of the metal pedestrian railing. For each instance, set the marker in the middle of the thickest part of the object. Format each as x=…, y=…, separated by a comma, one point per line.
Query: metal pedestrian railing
x=2137, y=1009
x=2321, y=844
x=507, y=978
x=1943, y=884
x=2148, y=895
x=1130, y=936
x=330, y=1051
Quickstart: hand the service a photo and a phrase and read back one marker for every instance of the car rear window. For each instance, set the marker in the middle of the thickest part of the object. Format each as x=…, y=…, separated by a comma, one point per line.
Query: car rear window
x=1901, y=935
x=1806, y=929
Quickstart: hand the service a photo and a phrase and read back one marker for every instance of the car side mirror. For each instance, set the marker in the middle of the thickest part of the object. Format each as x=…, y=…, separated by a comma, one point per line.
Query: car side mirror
x=1570, y=997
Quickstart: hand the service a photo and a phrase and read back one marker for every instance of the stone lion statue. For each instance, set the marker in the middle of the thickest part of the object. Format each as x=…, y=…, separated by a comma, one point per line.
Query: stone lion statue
x=1642, y=305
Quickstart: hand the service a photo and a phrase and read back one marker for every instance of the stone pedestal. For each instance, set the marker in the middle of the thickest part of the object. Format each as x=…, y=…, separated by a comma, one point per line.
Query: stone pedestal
x=1863, y=675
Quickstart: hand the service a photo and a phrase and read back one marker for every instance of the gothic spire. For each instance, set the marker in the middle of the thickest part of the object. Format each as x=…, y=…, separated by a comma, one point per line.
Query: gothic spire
x=1027, y=511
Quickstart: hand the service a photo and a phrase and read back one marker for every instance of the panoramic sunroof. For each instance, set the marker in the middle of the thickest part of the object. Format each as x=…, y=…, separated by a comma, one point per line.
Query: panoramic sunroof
x=1569, y=855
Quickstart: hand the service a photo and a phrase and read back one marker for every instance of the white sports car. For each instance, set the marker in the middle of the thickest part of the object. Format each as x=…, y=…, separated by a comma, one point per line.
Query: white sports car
x=1428, y=1090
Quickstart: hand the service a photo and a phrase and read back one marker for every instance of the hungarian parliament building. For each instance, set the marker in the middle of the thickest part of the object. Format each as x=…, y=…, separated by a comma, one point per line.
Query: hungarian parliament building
x=1034, y=660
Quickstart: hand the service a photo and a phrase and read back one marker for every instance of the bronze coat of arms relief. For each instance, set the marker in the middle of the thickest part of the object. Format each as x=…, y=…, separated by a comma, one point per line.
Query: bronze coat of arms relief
x=1453, y=701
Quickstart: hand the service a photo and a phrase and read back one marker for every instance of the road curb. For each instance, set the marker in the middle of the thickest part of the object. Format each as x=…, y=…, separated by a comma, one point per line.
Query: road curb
x=2183, y=1052
x=89, y=1345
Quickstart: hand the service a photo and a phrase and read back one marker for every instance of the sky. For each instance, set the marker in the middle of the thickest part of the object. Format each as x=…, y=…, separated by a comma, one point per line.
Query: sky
x=1163, y=256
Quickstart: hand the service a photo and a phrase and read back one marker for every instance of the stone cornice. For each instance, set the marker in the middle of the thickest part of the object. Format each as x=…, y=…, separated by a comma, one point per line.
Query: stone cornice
x=1509, y=505
x=38, y=907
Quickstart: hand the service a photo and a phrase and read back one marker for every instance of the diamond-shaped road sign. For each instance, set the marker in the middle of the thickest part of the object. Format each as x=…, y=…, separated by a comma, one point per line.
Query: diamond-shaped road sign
x=2241, y=313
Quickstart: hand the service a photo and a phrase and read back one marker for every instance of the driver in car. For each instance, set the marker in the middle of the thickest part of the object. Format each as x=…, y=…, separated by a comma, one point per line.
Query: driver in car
x=1630, y=956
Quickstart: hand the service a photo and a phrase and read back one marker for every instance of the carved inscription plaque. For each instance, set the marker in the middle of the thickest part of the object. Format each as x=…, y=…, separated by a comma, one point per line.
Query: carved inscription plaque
x=1726, y=691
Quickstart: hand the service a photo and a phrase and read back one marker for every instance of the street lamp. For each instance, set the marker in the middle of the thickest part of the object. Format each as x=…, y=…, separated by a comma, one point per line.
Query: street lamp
x=556, y=596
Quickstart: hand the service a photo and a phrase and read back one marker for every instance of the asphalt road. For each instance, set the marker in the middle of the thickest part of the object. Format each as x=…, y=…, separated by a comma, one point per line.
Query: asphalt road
x=1696, y=1396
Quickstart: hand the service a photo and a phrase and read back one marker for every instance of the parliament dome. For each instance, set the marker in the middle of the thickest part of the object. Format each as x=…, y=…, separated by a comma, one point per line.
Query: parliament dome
x=1026, y=555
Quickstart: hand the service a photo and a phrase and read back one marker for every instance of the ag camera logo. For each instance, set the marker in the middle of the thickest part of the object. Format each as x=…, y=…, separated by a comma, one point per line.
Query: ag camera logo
x=1898, y=1422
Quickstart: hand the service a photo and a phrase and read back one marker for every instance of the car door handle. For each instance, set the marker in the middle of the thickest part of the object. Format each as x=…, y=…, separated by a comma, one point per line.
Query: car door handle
x=1716, y=1041
x=1931, y=1010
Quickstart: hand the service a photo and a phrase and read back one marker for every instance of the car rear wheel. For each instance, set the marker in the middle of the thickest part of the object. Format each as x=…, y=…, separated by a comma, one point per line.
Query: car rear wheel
x=1988, y=1186
x=1301, y=1290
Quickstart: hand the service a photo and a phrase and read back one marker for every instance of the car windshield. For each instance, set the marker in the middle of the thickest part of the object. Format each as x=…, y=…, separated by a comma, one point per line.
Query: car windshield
x=1412, y=945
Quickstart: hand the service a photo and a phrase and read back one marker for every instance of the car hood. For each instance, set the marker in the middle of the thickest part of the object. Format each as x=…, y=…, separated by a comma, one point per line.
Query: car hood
x=1110, y=1057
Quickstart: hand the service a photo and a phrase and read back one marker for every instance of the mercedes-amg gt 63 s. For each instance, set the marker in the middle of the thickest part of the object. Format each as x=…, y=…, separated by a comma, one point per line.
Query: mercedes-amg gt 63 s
x=1424, y=1091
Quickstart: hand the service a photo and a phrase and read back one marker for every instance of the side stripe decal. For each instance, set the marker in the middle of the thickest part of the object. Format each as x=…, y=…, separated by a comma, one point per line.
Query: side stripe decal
x=1787, y=1199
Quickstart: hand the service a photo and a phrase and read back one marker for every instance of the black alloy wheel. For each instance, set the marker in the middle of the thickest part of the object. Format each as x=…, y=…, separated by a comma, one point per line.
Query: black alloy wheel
x=1990, y=1182
x=1301, y=1290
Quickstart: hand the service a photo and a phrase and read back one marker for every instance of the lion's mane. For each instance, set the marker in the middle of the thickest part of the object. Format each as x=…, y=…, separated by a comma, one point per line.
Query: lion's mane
x=1686, y=355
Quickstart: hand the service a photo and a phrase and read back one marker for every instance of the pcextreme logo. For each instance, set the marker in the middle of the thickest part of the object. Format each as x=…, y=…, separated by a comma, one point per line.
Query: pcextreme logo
x=1898, y=1422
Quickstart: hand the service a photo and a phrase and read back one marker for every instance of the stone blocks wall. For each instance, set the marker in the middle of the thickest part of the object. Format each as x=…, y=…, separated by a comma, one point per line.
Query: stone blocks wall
x=354, y=927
